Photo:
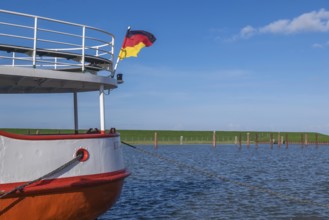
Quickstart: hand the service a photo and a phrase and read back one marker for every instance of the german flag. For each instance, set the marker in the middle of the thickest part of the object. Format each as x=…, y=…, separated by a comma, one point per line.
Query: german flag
x=134, y=41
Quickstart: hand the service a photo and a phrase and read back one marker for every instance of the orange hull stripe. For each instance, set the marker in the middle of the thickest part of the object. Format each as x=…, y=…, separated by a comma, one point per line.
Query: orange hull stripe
x=79, y=204
x=69, y=183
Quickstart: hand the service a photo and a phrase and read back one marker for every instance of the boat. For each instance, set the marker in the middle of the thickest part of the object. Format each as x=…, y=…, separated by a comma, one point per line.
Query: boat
x=78, y=175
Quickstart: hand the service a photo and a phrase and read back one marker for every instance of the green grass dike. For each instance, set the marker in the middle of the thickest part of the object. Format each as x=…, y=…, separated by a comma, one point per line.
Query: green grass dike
x=222, y=137
x=166, y=137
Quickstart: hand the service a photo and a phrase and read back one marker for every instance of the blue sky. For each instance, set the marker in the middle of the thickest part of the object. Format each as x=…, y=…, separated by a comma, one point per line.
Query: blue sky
x=216, y=65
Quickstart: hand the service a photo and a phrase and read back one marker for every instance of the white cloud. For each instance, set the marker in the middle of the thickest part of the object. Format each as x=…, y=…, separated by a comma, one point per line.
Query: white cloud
x=315, y=21
x=280, y=26
x=247, y=31
x=320, y=45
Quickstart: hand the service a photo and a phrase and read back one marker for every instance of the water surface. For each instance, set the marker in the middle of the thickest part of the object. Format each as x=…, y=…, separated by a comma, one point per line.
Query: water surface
x=226, y=182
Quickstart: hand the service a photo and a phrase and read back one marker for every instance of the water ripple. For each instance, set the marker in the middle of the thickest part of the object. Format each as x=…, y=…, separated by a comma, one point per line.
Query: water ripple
x=261, y=183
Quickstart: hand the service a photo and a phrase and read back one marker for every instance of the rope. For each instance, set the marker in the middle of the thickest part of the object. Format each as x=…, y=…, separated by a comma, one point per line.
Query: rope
x=20, y=188
x=225, y=179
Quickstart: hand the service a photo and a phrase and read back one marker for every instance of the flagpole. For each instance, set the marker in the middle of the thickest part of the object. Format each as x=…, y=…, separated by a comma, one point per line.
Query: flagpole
x=118, y=59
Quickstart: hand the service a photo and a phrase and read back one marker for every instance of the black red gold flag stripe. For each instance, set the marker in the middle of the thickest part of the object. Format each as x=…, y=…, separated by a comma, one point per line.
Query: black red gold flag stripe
x=134, y=41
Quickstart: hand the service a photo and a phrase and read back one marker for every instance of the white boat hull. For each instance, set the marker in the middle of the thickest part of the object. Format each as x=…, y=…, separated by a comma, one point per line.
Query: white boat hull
x=96, y=180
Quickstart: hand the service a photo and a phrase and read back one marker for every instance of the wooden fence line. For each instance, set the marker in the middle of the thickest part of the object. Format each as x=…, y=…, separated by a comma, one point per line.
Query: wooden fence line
x=218, y=138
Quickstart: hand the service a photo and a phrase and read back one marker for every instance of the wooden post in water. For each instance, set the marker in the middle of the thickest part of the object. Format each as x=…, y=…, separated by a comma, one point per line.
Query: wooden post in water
x=279, y=140
x=214, y=139
x=256, y=140
x=306, y=139
x=287, y=141
x=282, y=139
x=155, y=140
x=271, y=140
x=240, y=144
x=248, y=140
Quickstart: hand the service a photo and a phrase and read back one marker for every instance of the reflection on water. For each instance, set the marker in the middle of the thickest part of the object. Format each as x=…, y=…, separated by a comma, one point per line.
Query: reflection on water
x=226, y=182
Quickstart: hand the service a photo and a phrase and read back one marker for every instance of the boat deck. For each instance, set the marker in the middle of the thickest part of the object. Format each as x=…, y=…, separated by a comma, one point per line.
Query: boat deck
x=55, y=57
x=94, y=62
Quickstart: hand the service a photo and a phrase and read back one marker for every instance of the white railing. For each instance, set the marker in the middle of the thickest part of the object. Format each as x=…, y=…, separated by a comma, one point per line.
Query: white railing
x=39, y=42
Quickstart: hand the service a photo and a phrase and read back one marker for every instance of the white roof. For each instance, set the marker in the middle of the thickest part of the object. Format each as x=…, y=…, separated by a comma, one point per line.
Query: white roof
x=30, y=80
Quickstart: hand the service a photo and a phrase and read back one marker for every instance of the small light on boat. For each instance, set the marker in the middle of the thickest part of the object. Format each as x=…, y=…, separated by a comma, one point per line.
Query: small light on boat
x=120, y=78
x=84, y=153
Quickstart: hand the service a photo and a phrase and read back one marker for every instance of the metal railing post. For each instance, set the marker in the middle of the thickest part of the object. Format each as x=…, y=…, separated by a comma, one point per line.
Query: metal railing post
x=112, y=49
x=14, y=57
x=55, y=65
x=76, y=118
x=102, y=109
x=34, y=58
x=83, y=48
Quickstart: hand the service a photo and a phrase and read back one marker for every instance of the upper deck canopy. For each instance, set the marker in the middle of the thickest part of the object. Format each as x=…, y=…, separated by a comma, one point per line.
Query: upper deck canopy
x=29, y=80
x=43, y=55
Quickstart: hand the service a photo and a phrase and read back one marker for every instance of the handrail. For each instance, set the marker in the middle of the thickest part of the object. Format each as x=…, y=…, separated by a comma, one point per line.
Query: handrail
x=81, y=41
x=15, y=25
x=55, y=20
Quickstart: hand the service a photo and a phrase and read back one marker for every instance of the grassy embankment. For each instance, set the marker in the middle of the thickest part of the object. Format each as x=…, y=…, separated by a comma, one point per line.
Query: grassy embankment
x=198, y=137
x=222, y=137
